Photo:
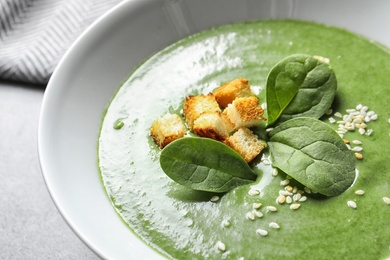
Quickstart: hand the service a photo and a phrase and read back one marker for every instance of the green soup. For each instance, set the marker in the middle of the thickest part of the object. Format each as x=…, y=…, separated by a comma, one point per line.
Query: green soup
x=186, y=224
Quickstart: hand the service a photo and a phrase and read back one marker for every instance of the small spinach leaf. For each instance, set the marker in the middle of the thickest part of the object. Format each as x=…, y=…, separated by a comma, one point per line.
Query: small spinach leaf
x=299, y=86
x=205, y=164
x=312, y=153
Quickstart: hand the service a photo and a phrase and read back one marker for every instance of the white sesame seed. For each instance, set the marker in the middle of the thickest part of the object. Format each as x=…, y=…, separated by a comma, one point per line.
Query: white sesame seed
x=269, y=129
x=364, y=109
x=386, y=200
x=274, y=225
x=369, y=131
x=214, y=199
x=221, y=246
x=281, y=199
x=261, y=232
x=341, y=123
x=250, y=216
x=274, y=172
x=307, y=190
x=266, y=162
x=356, y=142
x=295, y=189
x=256, y=205
x=338, y=114
x=357, y=149
x=303, y=198
x=253, y=192
x=370, y=113
x=295, y=206
x=258, y=214
x=374, y=117
x=272, y=208
x=285, y=182
x=351, y=110
x=362, y=131
x=352, y=204
x=357, y=120
x=297, y=196
x=332, y=120
x=359, y=192
x=358, y=107
x=289, y=200
x=285, y=193
x=367, y=119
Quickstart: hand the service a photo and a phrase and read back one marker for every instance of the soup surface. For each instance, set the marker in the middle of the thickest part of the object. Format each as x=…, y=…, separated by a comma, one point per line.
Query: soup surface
x=186, y=224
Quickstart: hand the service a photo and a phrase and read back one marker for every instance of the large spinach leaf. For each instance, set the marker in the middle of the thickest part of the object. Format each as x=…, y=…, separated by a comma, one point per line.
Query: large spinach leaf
x=312, y=153
x=299, y=86
x=205, y=164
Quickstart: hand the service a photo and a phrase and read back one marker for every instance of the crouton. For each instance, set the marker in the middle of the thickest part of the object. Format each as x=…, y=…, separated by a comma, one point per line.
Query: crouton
x=213, y=125
x=244, y=112
x=229, y=91
x=247, y=144
x=194, y=106
x=166, y=129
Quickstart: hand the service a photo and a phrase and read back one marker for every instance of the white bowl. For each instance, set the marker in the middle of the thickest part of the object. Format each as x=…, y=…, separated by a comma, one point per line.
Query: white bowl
x=93, y=68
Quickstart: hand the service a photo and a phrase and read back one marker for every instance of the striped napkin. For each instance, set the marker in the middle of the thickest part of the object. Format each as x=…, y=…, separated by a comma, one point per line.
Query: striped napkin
x=34, y=34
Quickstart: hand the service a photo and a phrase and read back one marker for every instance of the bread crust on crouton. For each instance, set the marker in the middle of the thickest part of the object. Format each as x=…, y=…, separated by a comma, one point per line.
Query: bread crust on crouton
x=247, y=144
x=229, y=91
x=213, y=125
x=245, y=112
x=194, y=106
x=167, y=129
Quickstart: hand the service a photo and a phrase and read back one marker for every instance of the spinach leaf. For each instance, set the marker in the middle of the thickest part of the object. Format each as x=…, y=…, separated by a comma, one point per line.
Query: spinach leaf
x=299, y=86
x=205, y=164
x=312, y=153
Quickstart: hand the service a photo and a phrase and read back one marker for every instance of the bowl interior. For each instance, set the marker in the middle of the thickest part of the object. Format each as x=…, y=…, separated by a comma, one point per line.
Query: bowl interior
x=94, y=67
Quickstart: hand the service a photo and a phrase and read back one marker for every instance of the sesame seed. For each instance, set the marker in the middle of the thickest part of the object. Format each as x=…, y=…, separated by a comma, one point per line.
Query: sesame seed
x=357, y=149
x=297, y=196
x=285, y=193
x=352, y=204
x=269, y=129
x=253, y=192
x=295, y=189
x=272, y=208
x=289, y=200
x=274, y=172
x=386, y=200
x=221, y=246
x=295, y=206
x=345, y=141
x=359, y=156
x=266, y=162
x=369, y=131
x=214, y=199
x=362, y=131
x=364, y=109
x=289, y=189
x=359, y=192
x=250, y=216
x=329, y=112
x=285, y=182
x=261, y=232
x=256, y=205
x=258, y=214
x=338, y=114
x=307, y=190
x=356, y=142
x=351, y=110
x=332, y=120
x=358, y=107
x=274, y=225
x=281, y=199
x=303, y=198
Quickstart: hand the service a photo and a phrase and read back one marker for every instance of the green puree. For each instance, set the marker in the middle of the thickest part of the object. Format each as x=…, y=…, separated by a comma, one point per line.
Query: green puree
x=184, y=224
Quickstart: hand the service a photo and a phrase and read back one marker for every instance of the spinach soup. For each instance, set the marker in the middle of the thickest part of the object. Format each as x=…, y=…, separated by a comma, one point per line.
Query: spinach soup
x=273, y=215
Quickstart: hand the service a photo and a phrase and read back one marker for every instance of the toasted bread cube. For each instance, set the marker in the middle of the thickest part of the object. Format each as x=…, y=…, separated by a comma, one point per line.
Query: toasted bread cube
x=244, y=112
x=213, y=125
x=166, y=129
x=229, y=91
x=194, y=106
x=247, y=144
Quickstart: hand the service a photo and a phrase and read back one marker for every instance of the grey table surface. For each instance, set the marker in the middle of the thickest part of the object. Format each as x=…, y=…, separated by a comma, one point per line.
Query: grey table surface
x=30, y=225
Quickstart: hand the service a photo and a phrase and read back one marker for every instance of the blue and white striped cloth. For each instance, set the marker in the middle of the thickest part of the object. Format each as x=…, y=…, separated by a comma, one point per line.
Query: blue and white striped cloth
x=34, y=34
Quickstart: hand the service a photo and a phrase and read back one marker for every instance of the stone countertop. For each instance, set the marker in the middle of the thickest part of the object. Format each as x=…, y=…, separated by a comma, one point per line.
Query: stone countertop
x=31, y=227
